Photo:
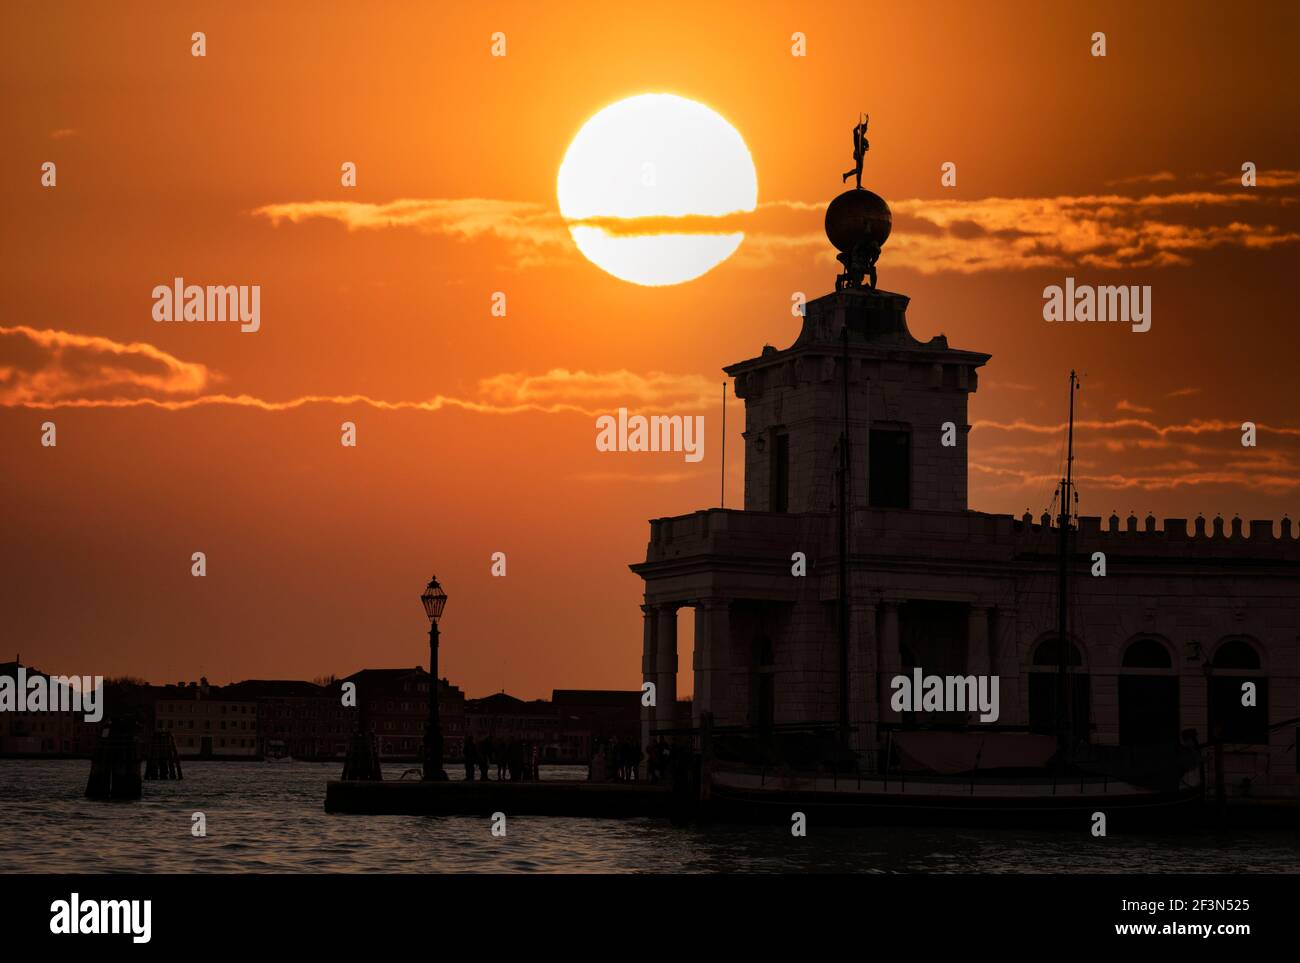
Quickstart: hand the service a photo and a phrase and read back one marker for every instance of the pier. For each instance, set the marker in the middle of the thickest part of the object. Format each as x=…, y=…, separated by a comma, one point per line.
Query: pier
x=557, y=798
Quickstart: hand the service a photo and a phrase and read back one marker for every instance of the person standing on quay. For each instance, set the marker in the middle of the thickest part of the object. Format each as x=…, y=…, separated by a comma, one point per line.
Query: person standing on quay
x=665, y=754
x=484, y=758
x=515, y=760
x=471, y=756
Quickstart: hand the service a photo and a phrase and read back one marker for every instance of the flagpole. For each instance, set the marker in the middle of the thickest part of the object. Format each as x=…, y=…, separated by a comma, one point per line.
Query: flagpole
x=723, y=499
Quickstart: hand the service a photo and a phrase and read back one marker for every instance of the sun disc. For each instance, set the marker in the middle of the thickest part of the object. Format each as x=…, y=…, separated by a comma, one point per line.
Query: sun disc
x=655, y=156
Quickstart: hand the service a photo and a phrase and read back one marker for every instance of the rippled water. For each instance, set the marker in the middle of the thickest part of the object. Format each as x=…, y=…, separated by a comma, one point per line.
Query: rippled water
x=269, y=817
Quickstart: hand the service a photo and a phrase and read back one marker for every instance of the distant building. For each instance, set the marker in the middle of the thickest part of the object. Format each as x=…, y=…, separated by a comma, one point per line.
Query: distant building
x=208, y=722
x=504, y=718
x=590, y=716
x=260, y=718
x=44, y=733
x=568, y=727
x=301, y=720
x=397, y=709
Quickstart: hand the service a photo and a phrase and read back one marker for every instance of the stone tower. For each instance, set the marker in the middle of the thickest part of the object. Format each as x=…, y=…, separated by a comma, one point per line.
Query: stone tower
x=906, y=398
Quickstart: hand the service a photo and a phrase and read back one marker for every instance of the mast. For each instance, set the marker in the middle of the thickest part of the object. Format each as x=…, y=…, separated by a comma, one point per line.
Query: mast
x=723, y=498
x=844, y=545
x=1064, y=718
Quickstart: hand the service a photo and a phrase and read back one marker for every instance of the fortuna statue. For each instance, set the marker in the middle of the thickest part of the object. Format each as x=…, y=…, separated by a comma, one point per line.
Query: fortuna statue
x=860, y=148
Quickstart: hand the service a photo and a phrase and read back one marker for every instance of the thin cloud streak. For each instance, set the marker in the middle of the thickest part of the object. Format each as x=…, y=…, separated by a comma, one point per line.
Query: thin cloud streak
x=1196, y=427
x=1135, y=454
x=48, y=369
x=46, y=365
x=1125, y=405
x=930, y=235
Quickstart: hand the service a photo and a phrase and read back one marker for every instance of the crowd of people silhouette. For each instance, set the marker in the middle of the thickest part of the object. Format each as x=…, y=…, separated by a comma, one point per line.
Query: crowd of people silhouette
x=516, y=760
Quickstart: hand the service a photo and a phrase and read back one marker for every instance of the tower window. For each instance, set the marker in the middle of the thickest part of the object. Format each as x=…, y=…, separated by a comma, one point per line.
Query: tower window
x=890, y=469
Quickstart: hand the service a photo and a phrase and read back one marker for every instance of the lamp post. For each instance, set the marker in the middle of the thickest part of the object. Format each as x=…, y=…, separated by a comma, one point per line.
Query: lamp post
x=435, y=600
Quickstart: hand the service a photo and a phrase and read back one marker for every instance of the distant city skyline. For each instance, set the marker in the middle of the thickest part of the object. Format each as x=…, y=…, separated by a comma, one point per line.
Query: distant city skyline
x=322, y=679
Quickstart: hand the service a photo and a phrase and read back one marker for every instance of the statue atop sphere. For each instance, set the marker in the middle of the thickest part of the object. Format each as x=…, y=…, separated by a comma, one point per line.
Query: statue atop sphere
x=860, y=148
x=858, y=222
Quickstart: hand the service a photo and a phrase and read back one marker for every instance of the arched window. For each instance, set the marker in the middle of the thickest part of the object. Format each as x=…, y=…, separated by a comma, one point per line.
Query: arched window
x=1236, y=654
x=1147, y=654
x=1044, y=691
x=1148, y=695
x=1235, y=663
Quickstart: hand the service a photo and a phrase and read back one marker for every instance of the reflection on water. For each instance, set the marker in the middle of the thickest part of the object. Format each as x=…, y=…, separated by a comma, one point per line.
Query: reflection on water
x=268, y=817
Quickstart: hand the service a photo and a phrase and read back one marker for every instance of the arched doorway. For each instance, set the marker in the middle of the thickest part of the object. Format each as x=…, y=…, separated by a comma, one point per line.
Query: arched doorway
x=1148, y=695
x=1043, y=671
x=1235, y=663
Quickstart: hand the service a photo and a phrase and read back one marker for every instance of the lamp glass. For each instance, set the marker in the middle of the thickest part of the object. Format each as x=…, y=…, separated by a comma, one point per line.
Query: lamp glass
x=434, y=599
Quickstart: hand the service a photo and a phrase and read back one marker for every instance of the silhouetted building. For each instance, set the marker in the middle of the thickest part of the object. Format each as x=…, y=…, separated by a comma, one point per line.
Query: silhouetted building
x=44, y=733
x=1181, y=619
x=597, y=715
x=397, y=706
x=299, y=720
x=504, y=718
x=208, y=722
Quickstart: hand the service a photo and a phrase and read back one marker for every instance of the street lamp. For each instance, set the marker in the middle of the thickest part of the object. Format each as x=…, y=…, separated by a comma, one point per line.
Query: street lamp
x=435, y=600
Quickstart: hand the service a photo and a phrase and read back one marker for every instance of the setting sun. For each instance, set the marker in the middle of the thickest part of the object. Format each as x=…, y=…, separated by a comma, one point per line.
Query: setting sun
x=655, y=156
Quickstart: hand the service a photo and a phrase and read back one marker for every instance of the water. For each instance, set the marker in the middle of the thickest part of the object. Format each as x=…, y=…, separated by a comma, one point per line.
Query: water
x=269, y=817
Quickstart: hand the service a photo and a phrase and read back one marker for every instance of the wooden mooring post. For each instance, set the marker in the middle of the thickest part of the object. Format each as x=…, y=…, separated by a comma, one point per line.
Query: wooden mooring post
x=115, y=768
x=162, y=761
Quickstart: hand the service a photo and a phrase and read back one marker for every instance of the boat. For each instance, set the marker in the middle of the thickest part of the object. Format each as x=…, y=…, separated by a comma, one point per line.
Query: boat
x=974, y=778
x=276, y=751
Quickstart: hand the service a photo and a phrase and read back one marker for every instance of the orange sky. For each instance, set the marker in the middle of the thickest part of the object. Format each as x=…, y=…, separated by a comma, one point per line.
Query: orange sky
x=1116, y=170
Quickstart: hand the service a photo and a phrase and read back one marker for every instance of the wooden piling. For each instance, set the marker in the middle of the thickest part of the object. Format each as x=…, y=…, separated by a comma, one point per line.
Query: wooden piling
x=115, y=768
x=162, y=761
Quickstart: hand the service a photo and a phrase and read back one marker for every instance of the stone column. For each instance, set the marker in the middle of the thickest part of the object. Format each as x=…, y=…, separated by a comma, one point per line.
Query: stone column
x=649, y=654
x=889, y=658
x=978, y=662
x=666, y=667
x=712, y=635
x=1006, y=663
x=863, y=707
